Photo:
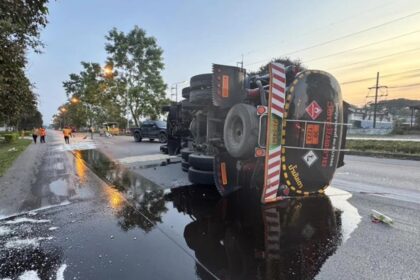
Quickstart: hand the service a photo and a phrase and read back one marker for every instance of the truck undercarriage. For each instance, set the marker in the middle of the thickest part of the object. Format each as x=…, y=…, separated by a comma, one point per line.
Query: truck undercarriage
x=282, y=133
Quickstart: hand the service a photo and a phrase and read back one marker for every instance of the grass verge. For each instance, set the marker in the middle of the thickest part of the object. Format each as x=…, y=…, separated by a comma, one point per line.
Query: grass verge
x=384, y=147
x=8, y=154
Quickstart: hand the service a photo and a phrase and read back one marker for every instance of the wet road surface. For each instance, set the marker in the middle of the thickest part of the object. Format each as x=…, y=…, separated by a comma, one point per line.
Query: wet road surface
x=103, y=221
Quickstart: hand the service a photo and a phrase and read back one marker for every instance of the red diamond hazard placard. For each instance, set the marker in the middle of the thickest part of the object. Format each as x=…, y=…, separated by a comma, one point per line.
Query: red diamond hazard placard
x=314, y=110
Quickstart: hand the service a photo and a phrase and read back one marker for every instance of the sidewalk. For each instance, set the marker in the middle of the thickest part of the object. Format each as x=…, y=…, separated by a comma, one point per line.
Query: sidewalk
x=15, y=184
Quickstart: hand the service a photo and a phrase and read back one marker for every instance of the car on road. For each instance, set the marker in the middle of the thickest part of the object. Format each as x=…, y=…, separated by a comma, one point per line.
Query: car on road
x=151, y=129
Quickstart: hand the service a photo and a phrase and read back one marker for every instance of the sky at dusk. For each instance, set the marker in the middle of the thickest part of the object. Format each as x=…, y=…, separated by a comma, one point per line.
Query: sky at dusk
x=350, y=39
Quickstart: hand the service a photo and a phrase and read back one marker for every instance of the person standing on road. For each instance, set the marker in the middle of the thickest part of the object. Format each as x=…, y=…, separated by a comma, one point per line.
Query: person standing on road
x=43, y=133
x=67, y=134
x=35, y=133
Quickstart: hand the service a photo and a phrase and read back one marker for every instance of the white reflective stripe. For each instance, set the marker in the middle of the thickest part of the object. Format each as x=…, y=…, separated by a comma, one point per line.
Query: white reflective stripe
x=278, y=93
x=278, y=103
x=274, y=169
x=272, y=219
x=279, y=83
x=273, y=196
x=273, y=160
x=278, y=73
x=272, y=180
x=274, y=150
x=276, y=112
x=270, y=189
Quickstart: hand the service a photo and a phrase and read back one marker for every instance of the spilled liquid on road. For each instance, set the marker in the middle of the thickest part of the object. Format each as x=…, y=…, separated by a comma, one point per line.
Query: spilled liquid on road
x=234, y=237
x=189, y=232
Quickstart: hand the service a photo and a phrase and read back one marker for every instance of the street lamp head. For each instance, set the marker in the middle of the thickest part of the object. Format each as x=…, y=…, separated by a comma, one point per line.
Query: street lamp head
x=74, y=100
x=108, y=70
x=62, y=109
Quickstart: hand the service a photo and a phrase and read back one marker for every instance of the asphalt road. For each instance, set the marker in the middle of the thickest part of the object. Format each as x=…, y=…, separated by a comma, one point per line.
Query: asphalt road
x=88, y=217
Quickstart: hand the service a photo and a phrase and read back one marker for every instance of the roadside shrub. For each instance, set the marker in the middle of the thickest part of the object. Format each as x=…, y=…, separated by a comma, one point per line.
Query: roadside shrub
x=10, y=137
x=398, y=147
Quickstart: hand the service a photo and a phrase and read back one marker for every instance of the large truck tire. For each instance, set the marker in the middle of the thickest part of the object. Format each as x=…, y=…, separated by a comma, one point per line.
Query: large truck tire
x=201, y=81
x=200, y=177
x=201, y=96
x=185, y=153
x=240, y=131
x=200, y=89
x=186, y=92
x=185, y=166
x=201, y=162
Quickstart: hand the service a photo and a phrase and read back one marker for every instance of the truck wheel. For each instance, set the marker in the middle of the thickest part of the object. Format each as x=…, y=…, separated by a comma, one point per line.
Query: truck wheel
x=201, y=81
x=186, y=92
x=240, y=131
x=163, y=138
x=185, y=166
x=200, y=177
x=137, y=137
x=185, y=153
x=201, y=162
x=201, y=96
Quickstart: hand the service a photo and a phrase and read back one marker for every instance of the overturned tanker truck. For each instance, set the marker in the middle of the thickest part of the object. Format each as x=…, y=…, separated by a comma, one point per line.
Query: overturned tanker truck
x=282, y=133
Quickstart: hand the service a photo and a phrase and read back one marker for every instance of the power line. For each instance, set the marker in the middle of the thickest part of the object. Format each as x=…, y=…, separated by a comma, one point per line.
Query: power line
x=385, y=76
x=364, y=46
x=346, y=36
x=405, y=86
x=376, y=58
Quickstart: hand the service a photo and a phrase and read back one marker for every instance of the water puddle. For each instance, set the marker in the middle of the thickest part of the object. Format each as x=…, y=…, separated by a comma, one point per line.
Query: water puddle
x=234, y=237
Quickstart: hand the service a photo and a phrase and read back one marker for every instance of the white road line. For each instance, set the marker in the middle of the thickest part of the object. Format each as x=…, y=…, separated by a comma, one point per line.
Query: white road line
x=145, y=158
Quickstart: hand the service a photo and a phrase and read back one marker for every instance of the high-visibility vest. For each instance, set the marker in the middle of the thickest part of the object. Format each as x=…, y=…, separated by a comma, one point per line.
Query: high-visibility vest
x=66, y=132
x=43, y=132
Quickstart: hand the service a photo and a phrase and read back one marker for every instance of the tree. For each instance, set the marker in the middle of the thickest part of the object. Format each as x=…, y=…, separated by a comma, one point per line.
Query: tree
x=30, y=120
x=137, y=60
x=286, y=61
x=20, y=25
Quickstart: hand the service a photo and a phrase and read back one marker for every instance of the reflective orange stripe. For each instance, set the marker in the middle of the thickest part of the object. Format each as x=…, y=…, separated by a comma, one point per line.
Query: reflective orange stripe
x=224, y=174
x=225, y=86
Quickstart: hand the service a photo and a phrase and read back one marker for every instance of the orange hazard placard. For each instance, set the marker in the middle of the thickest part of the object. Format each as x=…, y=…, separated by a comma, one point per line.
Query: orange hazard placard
x=312, y=134
x=225, y=86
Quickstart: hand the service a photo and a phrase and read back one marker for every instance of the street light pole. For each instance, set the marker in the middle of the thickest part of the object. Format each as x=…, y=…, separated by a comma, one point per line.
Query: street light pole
x=175, y=86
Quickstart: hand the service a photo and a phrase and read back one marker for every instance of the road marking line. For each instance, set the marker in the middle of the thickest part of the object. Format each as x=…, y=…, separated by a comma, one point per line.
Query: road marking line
x=145, y=158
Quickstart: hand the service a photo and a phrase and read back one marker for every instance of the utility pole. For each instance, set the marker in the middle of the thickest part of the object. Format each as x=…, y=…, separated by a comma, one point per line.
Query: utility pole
x=241, y=62
x=375, y=105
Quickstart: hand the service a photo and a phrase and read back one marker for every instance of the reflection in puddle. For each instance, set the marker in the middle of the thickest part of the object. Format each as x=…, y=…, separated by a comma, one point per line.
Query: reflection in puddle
x=142, y=203
x=234, y=237
x=237, y=238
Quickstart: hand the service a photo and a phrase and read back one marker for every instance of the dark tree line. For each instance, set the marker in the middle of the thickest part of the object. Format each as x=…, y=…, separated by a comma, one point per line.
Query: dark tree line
x=20, y=25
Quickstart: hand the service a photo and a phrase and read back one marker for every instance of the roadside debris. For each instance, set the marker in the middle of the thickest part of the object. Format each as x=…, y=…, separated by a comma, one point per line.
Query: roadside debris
x=12, y=149
x=378, y=217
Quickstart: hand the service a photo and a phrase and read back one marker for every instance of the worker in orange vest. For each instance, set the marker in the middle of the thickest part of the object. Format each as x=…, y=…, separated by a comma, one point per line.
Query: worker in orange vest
x=42, y=133
x=67, y=134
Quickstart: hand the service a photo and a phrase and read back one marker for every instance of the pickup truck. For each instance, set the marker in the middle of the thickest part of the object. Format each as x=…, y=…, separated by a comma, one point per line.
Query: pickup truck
x=151, y=129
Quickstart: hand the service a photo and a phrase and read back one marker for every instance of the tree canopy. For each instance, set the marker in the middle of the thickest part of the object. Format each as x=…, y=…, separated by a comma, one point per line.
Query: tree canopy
x=20, y=25
x=138, y=62
x=130, y=79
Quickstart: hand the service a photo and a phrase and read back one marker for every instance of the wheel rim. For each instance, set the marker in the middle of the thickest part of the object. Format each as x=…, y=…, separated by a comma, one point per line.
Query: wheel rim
x=237, y=130
x=162, y=138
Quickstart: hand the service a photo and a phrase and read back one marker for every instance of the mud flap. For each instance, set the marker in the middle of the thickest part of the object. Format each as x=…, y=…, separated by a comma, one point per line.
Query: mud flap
x=225, y=174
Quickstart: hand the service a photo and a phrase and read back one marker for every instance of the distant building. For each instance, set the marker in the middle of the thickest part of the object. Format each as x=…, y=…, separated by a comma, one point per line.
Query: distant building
x=363, y=119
